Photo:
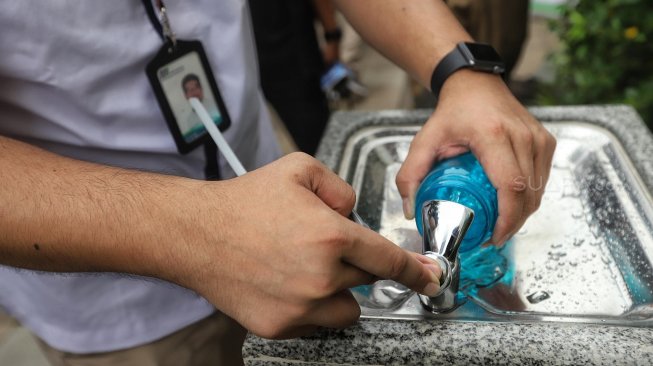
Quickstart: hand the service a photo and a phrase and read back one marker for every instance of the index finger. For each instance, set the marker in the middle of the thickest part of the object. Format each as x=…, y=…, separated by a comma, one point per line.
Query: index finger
x=500, y=164
x=375, y=254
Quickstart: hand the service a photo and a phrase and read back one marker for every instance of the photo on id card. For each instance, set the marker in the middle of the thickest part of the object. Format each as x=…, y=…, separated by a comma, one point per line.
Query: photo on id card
x=177, y=77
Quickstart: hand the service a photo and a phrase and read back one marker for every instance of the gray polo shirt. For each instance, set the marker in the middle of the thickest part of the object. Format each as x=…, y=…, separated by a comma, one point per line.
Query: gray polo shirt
x=72, y=81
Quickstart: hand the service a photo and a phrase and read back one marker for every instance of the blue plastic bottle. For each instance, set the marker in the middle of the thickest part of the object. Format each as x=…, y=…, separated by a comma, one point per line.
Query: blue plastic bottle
x=461, y=179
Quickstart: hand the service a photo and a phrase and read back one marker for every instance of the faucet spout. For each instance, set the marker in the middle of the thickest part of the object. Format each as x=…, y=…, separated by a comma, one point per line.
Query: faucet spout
x=445, y=224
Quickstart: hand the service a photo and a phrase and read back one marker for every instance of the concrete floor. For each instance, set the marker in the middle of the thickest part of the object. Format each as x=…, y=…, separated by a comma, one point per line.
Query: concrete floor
x=389, y=88
x=17, y=345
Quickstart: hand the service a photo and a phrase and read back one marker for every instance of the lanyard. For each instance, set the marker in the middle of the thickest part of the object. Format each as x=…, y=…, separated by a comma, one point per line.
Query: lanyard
x=160, y=23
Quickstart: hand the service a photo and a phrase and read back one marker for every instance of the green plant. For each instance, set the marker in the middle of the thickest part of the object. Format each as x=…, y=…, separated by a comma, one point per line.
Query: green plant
x=606, y=55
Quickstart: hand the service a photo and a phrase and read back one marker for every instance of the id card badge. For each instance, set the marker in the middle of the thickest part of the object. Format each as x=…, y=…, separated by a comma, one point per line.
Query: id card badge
x=177, y=74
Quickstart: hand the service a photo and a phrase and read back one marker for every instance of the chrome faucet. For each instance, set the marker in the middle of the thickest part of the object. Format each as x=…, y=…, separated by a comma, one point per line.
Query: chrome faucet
x=445, y=224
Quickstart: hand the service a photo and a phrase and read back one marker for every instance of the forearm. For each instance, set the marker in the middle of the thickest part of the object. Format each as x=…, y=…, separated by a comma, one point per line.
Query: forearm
x=59, y=214
x=276, y=238
x=414, y=34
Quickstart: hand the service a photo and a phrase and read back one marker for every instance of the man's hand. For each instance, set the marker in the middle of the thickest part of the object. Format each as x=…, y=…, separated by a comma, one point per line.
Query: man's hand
x=273, y=248
x=281, y=259
x=477, y=112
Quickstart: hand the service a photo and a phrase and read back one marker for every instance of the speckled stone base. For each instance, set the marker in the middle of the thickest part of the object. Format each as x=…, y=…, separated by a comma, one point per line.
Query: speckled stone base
x=434, y=342
x=394, y=342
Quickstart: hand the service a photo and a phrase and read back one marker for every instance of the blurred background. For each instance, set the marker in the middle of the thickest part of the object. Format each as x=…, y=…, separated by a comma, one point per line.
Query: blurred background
x=558, y=52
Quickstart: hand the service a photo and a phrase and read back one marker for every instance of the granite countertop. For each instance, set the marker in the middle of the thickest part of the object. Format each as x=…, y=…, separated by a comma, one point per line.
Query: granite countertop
x=384, y=342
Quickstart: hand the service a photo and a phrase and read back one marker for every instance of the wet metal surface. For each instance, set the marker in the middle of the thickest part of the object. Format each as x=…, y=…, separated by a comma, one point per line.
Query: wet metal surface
x=585, y=256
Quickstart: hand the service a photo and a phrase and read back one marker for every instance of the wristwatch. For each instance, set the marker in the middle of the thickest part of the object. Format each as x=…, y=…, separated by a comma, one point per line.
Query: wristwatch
x=475, y=56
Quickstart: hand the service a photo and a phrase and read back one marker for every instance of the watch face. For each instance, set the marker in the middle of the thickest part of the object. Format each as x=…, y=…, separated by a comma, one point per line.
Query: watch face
x=482, y=57
x=483, y=52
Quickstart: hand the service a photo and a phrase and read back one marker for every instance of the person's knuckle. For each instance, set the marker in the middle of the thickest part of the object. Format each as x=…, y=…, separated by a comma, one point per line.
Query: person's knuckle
x=542, y=137
x=402, y=178
x=336, y=240
x=304, y=161
x=298, y=165
x=526, y=137
x=324, y=286
x=337, y=237
x=551, y=141
x=540, y=141
x=519, y=185
x=313, y=169
x=496, y=128
x=418, y=140
x=515, y=184
x=299, y=156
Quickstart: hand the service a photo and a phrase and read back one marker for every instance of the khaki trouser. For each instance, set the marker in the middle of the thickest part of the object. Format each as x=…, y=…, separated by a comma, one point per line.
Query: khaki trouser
x=216, y=340
x=501, y=23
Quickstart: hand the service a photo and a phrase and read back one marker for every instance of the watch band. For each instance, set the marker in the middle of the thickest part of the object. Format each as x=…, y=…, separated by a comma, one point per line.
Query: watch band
x=450, y=63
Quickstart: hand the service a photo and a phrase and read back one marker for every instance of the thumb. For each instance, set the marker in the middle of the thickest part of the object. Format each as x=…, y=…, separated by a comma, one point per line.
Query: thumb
x=418, y=163
x=433, y=142
x=331, y=189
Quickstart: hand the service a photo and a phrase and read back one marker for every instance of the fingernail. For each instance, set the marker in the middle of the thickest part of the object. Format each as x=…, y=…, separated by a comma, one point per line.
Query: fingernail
x=431, y=289
x=408, y=208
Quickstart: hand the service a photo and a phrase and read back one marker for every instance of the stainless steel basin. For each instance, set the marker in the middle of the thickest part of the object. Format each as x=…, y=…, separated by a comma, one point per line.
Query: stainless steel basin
x=585, y=256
